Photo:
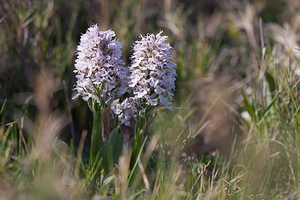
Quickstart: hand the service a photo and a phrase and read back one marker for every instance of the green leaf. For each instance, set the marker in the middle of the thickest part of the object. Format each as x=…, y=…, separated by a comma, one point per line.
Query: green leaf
x=140, y=150
x=115, y=142
x=112, y=150
x=2, y=107
x=271, y=82
x=268, y=109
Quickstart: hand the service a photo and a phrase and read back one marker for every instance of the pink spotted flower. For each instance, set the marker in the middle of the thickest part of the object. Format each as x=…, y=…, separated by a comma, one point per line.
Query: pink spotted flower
x=99, y=69
x=153, y=73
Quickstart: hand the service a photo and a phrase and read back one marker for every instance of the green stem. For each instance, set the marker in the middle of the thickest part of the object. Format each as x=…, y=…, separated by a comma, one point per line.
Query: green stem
x=96, y=132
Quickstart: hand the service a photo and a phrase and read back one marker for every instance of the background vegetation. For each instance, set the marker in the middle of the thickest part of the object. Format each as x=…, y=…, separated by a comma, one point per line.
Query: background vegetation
x=234, y=132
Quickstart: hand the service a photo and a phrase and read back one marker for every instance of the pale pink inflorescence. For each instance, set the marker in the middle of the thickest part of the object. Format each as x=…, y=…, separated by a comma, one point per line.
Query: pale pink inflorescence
x=152, y=79
x=99, y=69
x=153, y=73
x=101, y=75
x=125, y=110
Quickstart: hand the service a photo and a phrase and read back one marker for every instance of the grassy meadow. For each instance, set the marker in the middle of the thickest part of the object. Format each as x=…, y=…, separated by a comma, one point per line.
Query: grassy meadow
x=233, y=133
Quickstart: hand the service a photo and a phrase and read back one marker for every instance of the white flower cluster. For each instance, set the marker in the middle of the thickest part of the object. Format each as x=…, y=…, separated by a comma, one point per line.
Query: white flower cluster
x=101, y=74
x=125, y=110
x=153, y=73
x=99, y=69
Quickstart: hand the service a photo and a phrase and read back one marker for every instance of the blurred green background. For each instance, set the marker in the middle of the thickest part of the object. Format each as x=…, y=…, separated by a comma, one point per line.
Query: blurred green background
x=238, y=77
x=212, y=40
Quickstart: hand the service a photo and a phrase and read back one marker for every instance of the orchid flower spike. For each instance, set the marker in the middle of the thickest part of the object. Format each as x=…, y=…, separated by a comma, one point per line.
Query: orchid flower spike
x=99, y=69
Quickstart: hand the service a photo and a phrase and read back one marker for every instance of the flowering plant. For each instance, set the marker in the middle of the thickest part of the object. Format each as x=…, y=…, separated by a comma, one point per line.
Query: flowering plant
x=152, y=79
x=99, y=68
x=105, y=83
x=152, y=71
